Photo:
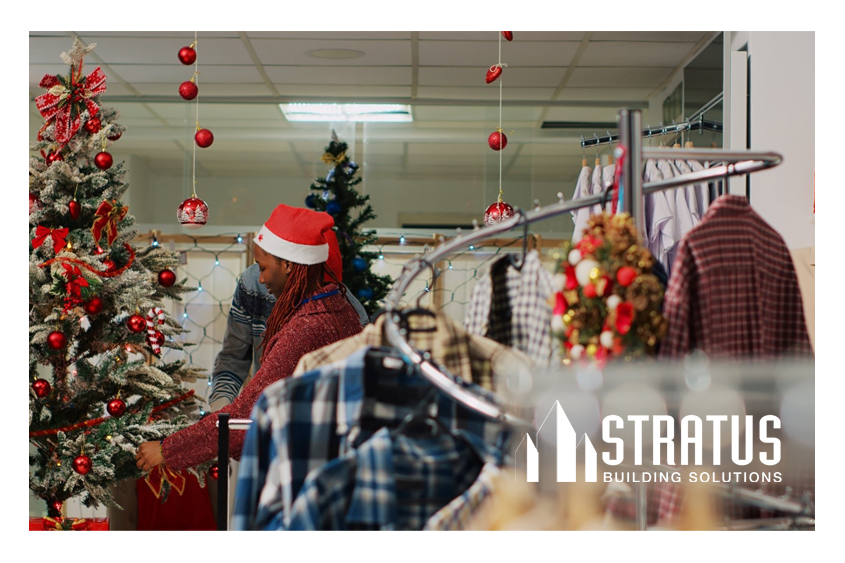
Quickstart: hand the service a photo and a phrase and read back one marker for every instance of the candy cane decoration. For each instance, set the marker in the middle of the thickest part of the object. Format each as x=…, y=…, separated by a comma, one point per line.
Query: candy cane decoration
x=155, y=338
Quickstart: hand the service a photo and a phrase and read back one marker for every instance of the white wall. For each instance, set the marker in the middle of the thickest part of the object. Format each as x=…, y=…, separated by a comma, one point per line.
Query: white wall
x=797, y=85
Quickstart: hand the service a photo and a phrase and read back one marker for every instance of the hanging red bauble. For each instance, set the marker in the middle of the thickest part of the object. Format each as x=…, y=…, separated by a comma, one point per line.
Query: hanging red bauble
x=493, y=73
x=54, y=157
x=94, y=306
x=41, y=388
x=187, y=55
x=116, y=407
x=188, y=90
x=34, y=203
x=136, y=323
x=103, y=160
x=93, y=125
x=115, y=136
x=508, y=35
x=82, y=464
x=192, y=213
x=56, y=507
x=497, y=213
x=204, y=138
x=109, y=264
x=214, y=471
x=166, y=278
x=497, y=140
x=56, y=340
x=74, y=209
x=625, y=275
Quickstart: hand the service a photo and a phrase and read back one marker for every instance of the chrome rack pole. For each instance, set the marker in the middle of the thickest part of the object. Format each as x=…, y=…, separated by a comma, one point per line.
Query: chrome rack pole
x=632, y=180
x=224, y=425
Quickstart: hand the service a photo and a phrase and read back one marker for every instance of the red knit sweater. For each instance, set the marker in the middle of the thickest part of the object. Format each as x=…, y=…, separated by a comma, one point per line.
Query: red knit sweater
x=313, y=325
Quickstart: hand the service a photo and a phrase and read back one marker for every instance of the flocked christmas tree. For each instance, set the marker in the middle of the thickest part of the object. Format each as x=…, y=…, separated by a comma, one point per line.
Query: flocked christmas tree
x=96, y=321
x=338, y=197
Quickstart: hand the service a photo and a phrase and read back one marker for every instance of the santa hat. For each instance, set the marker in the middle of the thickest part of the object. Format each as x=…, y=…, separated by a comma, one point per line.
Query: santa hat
x=335, y=262
x=296, y=235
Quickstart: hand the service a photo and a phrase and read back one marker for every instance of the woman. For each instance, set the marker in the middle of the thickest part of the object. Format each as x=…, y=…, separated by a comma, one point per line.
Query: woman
x=291, y=252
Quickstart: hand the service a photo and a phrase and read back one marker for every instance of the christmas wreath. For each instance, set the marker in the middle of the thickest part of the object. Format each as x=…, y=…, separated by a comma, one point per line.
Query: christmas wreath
x=607, y=304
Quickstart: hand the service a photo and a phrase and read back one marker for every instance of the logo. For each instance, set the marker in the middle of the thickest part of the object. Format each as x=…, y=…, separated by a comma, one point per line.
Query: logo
x=662, y=440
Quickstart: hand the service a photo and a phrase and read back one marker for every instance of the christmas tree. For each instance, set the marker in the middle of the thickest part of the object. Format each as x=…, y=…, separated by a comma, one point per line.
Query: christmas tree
x=96, y=320
x=338, y=197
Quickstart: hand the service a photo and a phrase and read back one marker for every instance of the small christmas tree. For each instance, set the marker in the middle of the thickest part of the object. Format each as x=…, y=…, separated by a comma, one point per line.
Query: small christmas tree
x=338, y=197
x=95, y=324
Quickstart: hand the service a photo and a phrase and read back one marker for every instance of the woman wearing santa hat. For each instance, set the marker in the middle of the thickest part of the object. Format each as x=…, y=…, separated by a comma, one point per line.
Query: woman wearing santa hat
x=292, y=251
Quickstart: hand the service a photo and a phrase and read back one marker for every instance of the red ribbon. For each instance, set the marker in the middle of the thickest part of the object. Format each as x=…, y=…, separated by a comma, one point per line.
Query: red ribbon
x=106, y=274
x=59, y=235
x=109, y=217
x=161, y=473
x=64, y=103
x=75, y=280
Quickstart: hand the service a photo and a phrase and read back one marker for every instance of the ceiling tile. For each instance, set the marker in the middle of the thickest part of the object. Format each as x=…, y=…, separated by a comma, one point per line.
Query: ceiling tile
x=482, y=54
x=329, y=35
x=176, y=74
x=341, y=91
x=371, y=75
x=473, y=76
x=609, y=94
x=49, y=49
x=207, y=89
x=623, y=77
x=510, y=93
x=290, y=52
x=624, y=53
x=669, y=36
x=129, y=50
x=494, y=36
x=186, y=37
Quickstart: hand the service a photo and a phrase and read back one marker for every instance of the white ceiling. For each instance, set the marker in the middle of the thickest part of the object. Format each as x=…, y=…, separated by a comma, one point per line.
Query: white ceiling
x=557, y=76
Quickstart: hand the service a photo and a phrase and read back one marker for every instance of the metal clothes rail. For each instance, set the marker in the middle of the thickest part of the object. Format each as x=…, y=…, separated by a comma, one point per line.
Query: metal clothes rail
x=698, y=125
x=224, y=425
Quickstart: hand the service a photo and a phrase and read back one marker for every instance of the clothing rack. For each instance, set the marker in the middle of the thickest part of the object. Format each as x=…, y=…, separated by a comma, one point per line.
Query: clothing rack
x=691, y=125
x=735, y=163
x=224, y=425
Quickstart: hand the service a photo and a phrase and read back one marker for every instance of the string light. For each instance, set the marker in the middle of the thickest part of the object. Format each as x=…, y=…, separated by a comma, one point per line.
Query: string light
x=402, y=239
x=381, y=256
x=185, y=315
x=199, y=288
x=450, y=264
x=155, y=241
x=472, y=247
x=216, y=262
x=240, y=238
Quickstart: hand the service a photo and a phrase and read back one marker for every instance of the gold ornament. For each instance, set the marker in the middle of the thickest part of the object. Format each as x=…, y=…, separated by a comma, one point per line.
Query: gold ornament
x=591, y=350
x=595, y=274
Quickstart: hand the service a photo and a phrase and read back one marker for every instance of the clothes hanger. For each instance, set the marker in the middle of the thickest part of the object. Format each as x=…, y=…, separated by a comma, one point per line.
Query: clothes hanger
x=598, y=160
x=418, y=309
x=518, y=264
x=423, y=415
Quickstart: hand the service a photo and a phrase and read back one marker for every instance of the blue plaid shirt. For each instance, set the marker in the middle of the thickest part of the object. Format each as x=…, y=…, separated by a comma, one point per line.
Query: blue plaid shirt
x=302, y=423
x=389, y=482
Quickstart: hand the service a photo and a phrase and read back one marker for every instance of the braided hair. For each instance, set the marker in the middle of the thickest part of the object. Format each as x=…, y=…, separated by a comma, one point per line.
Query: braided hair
x=301, y=277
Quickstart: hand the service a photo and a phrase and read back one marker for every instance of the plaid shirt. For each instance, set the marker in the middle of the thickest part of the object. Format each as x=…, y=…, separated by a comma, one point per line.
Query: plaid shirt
x=733, y=291
x=304, y=422
x=456, y=515
x=510, y=306
x=468, y=356
x=388, y=483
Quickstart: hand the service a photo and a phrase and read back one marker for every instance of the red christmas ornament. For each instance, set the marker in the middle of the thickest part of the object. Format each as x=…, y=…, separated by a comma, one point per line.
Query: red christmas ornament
x=497, y=140
x=508, y=35
x=626, y=275
x=103, y=160
x=493, y=73
x=115, y=136
x=74, y=209
x=56, y=507
x=136, y=323
x=214, y=471
x=187, y=55
x=94, y=306
x=109, y=264
x=192, y=213
x=624, y=317
x=41, y=388
x=188, y=90
x=82, y=464
x=116, y=407
x=54, y=157
x=56, y=340
x=590, y=291
x=497, y=212
x=34, y=203
x=571, y=280
x=166, y=278
x=93, y=126
x=204, y=138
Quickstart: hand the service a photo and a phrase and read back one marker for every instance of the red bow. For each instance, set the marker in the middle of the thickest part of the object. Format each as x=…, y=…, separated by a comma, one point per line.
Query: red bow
x=65, y=100
x=161, y=473
x=109, y=217
x=75, y=280
x=41, y=234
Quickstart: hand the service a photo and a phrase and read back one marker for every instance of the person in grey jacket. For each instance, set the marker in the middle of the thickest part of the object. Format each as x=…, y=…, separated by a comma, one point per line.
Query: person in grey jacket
x=251, y=305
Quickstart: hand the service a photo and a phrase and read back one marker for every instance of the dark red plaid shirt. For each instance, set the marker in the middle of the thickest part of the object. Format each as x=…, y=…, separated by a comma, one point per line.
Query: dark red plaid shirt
x=733, y=291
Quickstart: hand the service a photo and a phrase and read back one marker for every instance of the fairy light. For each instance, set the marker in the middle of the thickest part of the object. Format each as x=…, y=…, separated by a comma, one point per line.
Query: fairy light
x=240, y=238
x=155, y=241
x=472, y=247
x=450, y=264
x=381, y=256
x=402, y=239
x=199, y=288
x=185, y=315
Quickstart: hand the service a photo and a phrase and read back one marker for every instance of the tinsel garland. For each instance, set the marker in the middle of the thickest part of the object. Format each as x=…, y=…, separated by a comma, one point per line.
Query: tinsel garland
x=107, y=274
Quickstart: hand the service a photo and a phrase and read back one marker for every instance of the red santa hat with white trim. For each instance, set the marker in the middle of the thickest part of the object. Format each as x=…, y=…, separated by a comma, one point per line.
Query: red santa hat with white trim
x=296, y=235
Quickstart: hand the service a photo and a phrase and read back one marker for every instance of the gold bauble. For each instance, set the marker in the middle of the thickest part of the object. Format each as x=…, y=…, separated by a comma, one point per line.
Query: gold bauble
x=595, y=274
x=591, y=350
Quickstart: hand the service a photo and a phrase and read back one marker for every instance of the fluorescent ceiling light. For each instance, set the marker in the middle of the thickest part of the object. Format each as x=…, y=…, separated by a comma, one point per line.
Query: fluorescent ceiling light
x=347, y=112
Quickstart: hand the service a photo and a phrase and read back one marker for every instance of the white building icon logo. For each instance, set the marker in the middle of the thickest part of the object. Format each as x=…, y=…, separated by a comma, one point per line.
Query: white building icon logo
x=567, y=443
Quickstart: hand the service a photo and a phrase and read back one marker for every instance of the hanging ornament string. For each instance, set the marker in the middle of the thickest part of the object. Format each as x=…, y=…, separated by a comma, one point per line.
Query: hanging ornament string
x=96, y=421
x=196, y=78
x=500, y=118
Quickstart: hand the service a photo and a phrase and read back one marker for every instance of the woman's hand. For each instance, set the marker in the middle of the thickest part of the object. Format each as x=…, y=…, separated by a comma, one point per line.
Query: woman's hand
x=149, y=456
